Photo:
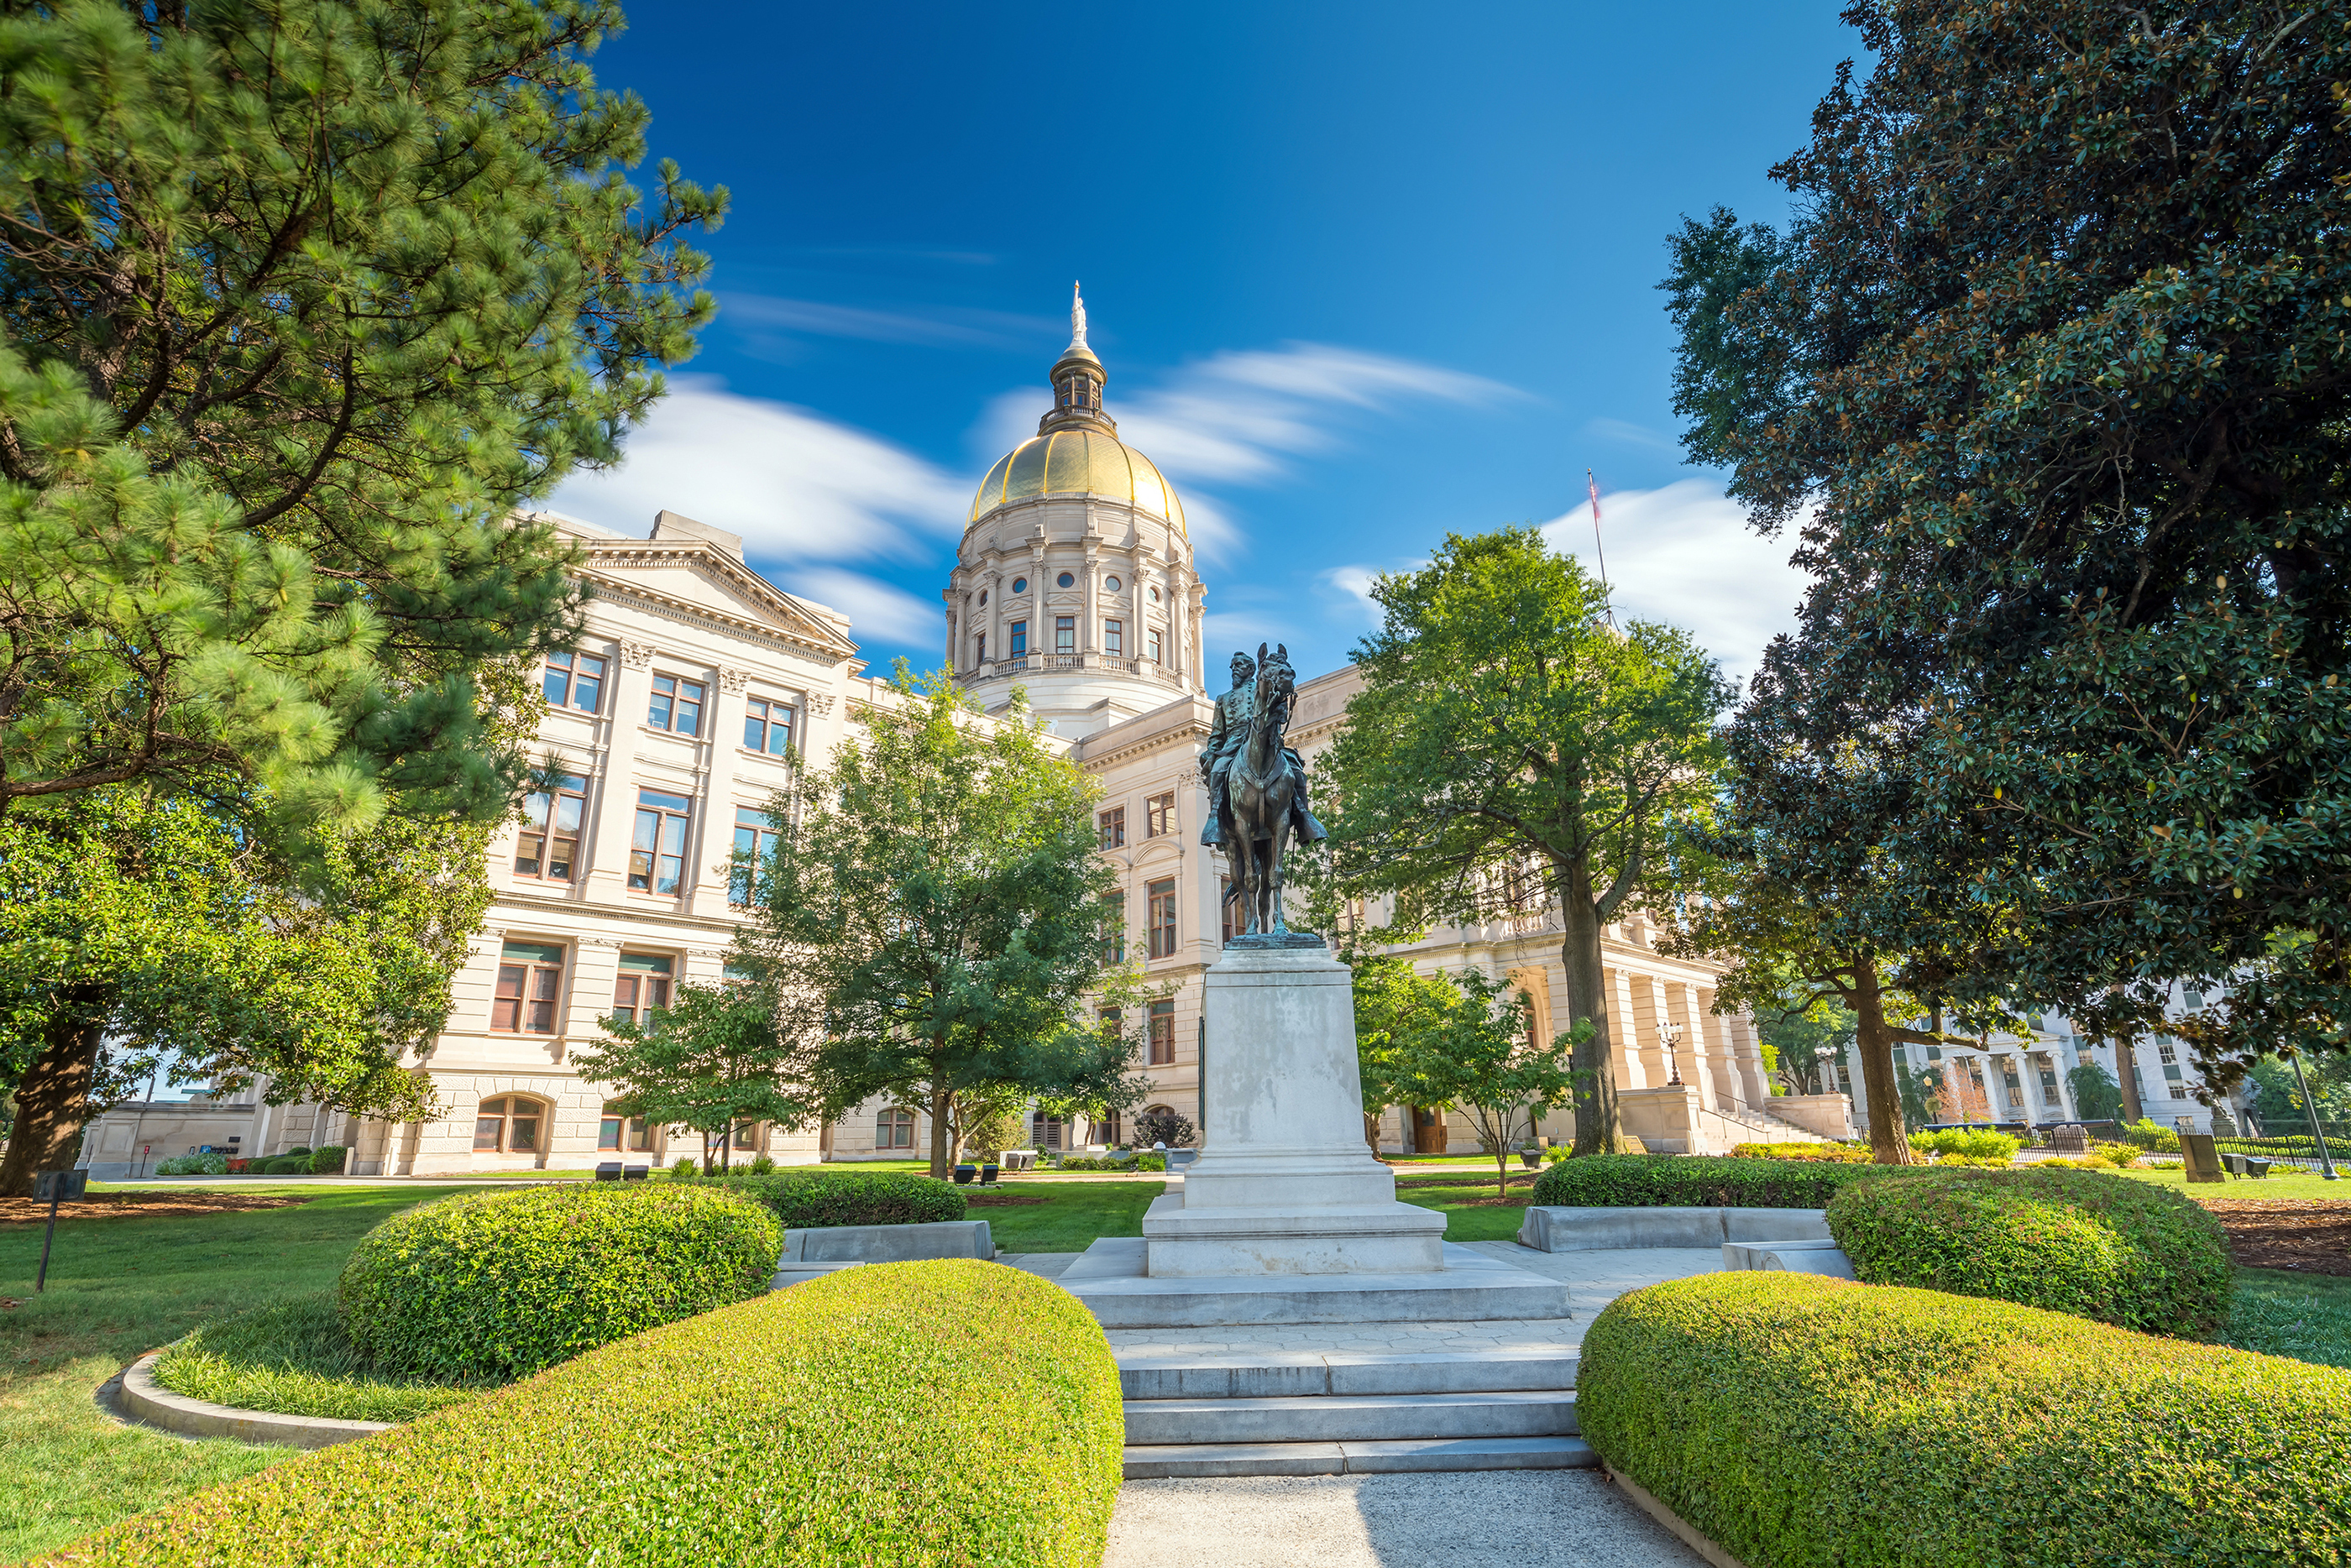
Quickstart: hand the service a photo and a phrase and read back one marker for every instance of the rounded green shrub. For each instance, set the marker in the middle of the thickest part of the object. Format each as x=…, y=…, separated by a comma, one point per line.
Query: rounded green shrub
x=500, y=1285
x=812, y=1197
x=1795, y=1419
x=939, y=1412
x=286, y=1165
x=1697, y=1181
x=328, y=1160
x=2074, y=1241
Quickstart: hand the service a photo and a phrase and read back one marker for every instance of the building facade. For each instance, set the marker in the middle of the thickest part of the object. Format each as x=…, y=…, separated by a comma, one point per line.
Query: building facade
x=697, y=681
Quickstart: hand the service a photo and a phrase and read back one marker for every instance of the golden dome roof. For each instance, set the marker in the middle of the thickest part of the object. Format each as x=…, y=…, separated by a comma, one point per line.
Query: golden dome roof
x=1078, y=462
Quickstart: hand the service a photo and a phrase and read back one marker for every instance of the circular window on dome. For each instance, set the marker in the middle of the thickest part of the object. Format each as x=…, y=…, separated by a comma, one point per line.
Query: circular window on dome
x=1155, y=595
x=1020, y=585
x=983, y=597
x=1110, y=583
x=1066, y=580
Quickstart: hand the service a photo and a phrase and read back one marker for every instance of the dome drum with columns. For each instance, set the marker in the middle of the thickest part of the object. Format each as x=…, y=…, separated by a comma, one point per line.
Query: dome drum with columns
x=1074, y=579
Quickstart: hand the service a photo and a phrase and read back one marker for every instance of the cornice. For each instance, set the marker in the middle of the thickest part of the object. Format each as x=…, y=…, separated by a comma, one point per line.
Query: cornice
x=606, y=558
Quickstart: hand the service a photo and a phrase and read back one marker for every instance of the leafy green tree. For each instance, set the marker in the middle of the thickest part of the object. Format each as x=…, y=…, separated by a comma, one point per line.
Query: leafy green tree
x=1508, y=735
x=2097, y=1096
x=1476, y=1049
x=137, y=927
x=1395, y=1006
x=2065, y=461
x=719, y=1055
x=1805, y=1040
x=299, y=304
x=938, y=889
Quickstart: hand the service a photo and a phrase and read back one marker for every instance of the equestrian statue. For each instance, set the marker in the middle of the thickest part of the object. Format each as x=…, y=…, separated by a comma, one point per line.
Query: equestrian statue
x=1257, y=793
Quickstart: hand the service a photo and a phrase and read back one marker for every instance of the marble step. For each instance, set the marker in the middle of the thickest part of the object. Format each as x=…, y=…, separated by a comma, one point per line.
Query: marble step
x=1163, y=1461
x=1358, y=1417
x=1267, y=1375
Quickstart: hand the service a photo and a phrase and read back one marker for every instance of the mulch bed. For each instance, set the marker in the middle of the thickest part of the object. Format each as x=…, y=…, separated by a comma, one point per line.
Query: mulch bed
x=141, y=1206
x=2304, y=1235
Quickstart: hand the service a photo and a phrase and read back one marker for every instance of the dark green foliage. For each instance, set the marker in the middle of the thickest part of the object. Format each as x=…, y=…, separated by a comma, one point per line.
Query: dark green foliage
x=1697, y=1181
x=950, y=1412
x=2051, y=377
x=500, y=1285
x=1802, y=1422
x=2096, y=1095
x=716, y=1057
x=288, y=1165
x=1155, y=1128
x=329, y=1160
x=857, y=1198
x=2105, y=1247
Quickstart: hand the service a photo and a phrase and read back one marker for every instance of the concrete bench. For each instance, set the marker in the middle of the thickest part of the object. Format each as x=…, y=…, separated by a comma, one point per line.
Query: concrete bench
x=1790, y=1257
x=1565, y=1230
x=888, y=1243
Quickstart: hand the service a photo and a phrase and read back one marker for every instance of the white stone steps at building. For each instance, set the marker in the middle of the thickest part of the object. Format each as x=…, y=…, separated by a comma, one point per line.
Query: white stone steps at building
x=1345, y=1373
x=1342, y=1417
x=1186, y=1460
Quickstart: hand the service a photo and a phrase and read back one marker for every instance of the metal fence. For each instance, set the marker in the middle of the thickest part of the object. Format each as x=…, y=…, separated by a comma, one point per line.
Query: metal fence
x=2289, y=1146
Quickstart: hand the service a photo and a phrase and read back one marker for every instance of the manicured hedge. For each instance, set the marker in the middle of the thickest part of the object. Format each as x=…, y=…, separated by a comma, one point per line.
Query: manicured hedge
x=1799, y=1420
x=2094, y=1245
x=1693, y=1180
x=850, y=1197
x=500, y=1285
x=938, y=1413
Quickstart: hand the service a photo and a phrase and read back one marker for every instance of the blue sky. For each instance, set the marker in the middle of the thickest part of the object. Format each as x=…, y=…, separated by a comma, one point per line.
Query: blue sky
x=1360, y=273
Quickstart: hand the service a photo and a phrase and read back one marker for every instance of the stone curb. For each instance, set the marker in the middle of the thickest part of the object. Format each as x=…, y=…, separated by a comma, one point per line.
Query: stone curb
x=1715, y=1555
x=141, y=1399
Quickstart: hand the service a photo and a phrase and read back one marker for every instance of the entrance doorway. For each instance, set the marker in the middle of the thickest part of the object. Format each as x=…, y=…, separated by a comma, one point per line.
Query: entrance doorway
x=1428, y=1130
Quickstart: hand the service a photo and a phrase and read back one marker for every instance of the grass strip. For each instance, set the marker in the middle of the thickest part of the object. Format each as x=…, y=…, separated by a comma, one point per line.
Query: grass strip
x=294, y=1358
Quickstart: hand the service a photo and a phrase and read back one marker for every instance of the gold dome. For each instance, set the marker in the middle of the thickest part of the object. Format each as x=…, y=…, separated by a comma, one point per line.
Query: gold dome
x=1078, y=462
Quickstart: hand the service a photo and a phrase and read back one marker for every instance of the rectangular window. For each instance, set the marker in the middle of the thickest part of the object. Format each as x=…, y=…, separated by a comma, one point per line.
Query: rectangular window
x=549, y=840
x=1163, y=1033
x=1044, y=1132
x=1113, y=637
x=1020, y=638
x=1230, y=922
x=746, y=1135
x=1161, y=917
x=1065, y=634
x=621, y=1132
x=979, y=649
x=573, y=681
x=893, y=1128
x=767, y=727
x=1151, y=646
x=1159, y=816
x=507, y=1125
x=755, y=851
x=1114, y=927
x=657, y=853
x=530, y=980
x=2166, y=1053
x=1114, y=828
x=677, y=705
x=641, y=988
x=2049, y=1092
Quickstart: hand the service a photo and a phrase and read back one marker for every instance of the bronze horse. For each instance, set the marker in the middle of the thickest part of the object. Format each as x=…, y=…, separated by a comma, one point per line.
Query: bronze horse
x=1259, y=795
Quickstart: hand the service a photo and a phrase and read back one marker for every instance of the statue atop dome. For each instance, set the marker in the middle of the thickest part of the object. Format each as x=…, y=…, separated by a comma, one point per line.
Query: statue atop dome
x=1077, y=317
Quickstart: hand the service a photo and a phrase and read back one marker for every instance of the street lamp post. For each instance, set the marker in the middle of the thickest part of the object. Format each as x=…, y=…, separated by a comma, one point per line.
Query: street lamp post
x=2310, y=1108
x=1671, y=1034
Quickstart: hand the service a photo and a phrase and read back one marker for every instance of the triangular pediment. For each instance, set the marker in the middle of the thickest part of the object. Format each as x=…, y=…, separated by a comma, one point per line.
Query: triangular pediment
x=698, y=576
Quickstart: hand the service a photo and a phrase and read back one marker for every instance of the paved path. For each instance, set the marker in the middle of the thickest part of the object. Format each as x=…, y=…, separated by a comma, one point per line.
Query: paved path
x=1515, y=1519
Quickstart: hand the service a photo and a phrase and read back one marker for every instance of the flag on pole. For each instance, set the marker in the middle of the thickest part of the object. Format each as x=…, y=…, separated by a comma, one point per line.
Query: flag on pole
x=1592, y=485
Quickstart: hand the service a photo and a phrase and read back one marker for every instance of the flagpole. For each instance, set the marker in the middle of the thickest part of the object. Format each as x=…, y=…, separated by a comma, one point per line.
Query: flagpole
x=1592, y=485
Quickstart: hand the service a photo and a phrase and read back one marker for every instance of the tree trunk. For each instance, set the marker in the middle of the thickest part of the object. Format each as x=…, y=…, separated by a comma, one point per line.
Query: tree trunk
x=2127, y=1077
x=1372, y=1131
x=1599, y=1125
x=53, y=1098
x=1889, y=1137
x=942, y=1148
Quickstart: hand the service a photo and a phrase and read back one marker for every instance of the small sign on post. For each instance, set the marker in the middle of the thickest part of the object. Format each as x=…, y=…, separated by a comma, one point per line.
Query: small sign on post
x=53, y=1188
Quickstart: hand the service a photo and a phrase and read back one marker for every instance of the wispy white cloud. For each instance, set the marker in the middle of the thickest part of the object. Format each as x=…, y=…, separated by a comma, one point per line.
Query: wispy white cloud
x=1629, y=433
x=938, y=326
x=797, y=486
x=876, y=609
x=1684, y=555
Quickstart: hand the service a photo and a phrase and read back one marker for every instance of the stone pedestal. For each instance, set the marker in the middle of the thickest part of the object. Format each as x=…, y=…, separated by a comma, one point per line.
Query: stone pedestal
x=1285, y=1184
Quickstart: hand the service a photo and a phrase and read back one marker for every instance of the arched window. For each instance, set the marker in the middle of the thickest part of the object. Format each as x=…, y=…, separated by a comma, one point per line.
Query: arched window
x=893, y=1128
x=511, y=1124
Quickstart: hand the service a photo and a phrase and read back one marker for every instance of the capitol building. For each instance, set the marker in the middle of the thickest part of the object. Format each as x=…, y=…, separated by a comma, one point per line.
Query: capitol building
x=697, y=683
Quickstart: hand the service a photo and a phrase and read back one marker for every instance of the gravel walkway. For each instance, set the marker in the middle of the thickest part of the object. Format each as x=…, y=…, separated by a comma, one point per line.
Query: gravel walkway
x=1525, y=1518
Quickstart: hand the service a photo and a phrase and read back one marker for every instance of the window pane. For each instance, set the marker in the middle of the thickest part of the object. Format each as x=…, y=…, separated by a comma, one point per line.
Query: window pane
x=1019, y=638
x=527, y=849
x=664, y=692
x=641, y=853
x=689, y=708
x=568, y=807
x=624, y=997
x=590, y=685
x=673, y=841
x=641, y=1137
x=755, y=726
x=663, y=799
x=1114, y=632
x=557, y=677
x=485, y=1131
x=505, y=1007
x=524, y=1138
x=608, y=1133
x=779, y=730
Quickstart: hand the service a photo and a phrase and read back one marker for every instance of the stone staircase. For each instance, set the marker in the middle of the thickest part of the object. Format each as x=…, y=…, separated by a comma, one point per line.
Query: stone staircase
x=1350, y=1413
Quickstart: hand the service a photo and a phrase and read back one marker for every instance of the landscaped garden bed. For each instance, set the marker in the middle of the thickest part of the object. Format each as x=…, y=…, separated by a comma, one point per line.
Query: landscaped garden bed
x=2307, y=1236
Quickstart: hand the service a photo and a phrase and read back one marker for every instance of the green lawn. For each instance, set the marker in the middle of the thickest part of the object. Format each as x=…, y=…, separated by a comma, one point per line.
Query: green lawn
x=2277, y=1184
x=2305, y=1316
x=1074, y=1213
x=118, y=1288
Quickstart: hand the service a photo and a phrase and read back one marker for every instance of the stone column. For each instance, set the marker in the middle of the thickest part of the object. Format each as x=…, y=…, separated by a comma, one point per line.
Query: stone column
x=1683, y=999
x=1640, y=1059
